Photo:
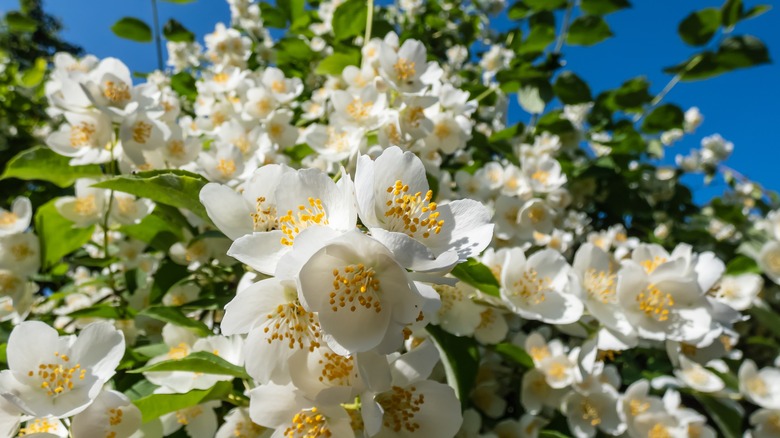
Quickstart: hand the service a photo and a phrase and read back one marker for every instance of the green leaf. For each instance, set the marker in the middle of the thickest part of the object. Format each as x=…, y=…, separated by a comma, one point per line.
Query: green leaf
x=141, y=389
x=664, y=118
x=518, y=11
x=742, y=265
x=734, y=53
x=515, y=354
x=197, y=362
x=184, y=84
x=603, y=7
x=154, y=230
x=633, y=94
x=168, y=274
x=698, y=28
x=272, y=16
x=767, y=318
x=33, y=76
x=42, y=164
x=292, y=9
x=552, y=434
x=176, y=32
x=177, y=188
x=545, y=5
x=152, y=350
x=726, y=414
x=755, y=11
x=58, y=235
x=133, y=29
x=156, y=405
x=177, y=317
x=18, y=22
x=335, y=63
x=541, y=35
x=478, y=275
x=731, y=12
x=588, y=30
x=299, y=152
x=571, y=90
x=349, y=19
x=460, y=357
x=102, y=311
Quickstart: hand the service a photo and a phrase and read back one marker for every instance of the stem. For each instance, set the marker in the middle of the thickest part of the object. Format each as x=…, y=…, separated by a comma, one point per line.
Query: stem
x=486, y=93
x=672, y=82
x=564, y=28
x=157, y=41
x=369, y=21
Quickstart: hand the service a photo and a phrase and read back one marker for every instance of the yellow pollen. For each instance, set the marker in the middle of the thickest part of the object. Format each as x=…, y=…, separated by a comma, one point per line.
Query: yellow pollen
x=336, y=369
x=115, y=416
x=541, y=175
x=636, y=407
x=659, y=431
x=85, y=205
x=539, y=353
x=179, y=352
x=590, y=413
x=264, y=218
x=126, y=205
x=296, y=221
x=355, y=285
x=8, y=218
x=39, y=425
x=21, y=251
x=487, y=318
x=651, y=265
x=308, y=424
x=655, y=303
x=184, y=416
x=600, y=285
x=116, y=92
x=176, y=148
x=142, y=131
x=359, y=110
x=81, y=134
x=58, y=377
x=557, y=370
x=264, y=106
x=226, y=167
x=404, y=69
x=536, y=213
x=530, y=287
x=8, y=282
x=290, y=323
x=757, y=386
x=400, y=407
x=413, y=214
x=442, y=130
x=221, y=78
x=279, y=87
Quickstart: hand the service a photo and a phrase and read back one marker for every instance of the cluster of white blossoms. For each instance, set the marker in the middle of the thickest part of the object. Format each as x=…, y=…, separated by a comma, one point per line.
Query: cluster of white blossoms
x=265, y=253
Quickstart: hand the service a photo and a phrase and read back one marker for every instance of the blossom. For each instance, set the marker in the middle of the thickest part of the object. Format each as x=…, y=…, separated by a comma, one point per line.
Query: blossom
x=111, y=414
x=59, y=375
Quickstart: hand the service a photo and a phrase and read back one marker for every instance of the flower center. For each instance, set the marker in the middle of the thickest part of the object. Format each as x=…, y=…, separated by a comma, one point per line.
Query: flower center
x=404, y=69
x=293, y=223
x=442, y=130
x=308, y=424
x=142, y=131
x=179, y=352
x=655, y=303
x=541, y=176
x=116, y=92
x=81, y=134
x=58, y=377
x=590, y=413
x=659, y=431
x=176, y=148
x=359, y=110
x=651, y=265
x=115, y=416
x=413, y=214
x=264, y=217
x=85, y=205
x=336, y=369
x=600, y=285
x=279, y=87
x=39, y=425
x=184, y=416
x=757, y=386
x=8, y=218
x=530, y=287
x=637, y=407
x=539, y=353
x=293, y=324
x=21, y=251
x=400, y=406
x=8, y=282
x=126, y=205
x=221, y=77
x=355, y=285
x=226, y=167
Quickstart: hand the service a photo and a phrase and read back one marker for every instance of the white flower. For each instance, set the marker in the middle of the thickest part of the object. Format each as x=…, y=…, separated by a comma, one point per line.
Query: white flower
x=59, y=376
x=697, y=377
x=20, y=253
x=693, y=118
x=544, y=174
x=284, y=90
x=397, y=206
x=769, y=260
x=238, y=424
x=18, y=219
x=761, y=387
x=739, y=291
x=128, y=210
x=111, y=414
x=457, y=314
x=362, y=110
x=86, y=137
x=541, y=288
x=766, y=423
x=87, y=207
x=199, y=421
x=715, y=149
x=595, y=409
x=407, y=70
x=110, y=88
x=362, y=295
x=450, y=133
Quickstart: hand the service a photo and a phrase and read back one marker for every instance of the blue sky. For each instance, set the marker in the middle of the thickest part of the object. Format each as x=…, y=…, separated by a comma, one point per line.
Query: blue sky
x=742, y=106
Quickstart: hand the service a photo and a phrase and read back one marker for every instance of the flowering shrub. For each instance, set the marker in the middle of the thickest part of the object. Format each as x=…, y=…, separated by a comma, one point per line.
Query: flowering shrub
x=331, y=230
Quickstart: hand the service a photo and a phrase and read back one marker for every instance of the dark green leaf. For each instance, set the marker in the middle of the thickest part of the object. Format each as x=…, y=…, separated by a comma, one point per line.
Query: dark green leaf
x=197, y=362
x=292, y=9
x=460, y=357
x=515, y=354
x=633, y=94
x=177, y=188
x=742, y=51
x=184, y=84
x=478, y=275
x=664, y=118
x=571, y=90
x=741, y=265
x=545, y=5
x=272, y=16
x=603, y=7
x=518, y=11
x=755, y=11
x=58, y=236
x=587, y=31
x=132, y=29
x=176, y=32
x=43, y=164
x=102, y=311
x=335, y=63
x=168, y=274
x=731, y=12
x=542, y=33
x=349, y=19
x=699, y=27
x=18, y=22
x=767, y=318
x=155, y=405
x=726, y=414
x=552, y=434
x=175, y=316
